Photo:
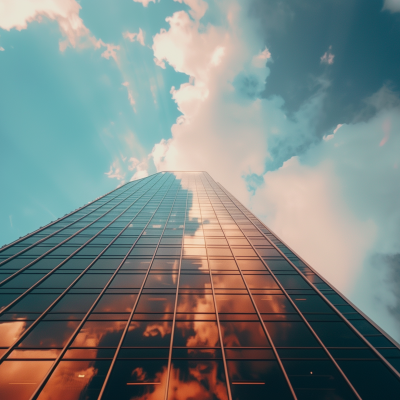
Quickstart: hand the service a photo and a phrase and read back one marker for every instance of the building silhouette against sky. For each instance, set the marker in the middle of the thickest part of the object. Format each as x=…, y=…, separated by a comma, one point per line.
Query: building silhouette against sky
x=169, y=288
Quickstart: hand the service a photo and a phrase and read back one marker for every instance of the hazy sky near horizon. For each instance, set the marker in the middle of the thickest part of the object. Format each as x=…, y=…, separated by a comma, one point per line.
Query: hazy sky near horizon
x=292, y=105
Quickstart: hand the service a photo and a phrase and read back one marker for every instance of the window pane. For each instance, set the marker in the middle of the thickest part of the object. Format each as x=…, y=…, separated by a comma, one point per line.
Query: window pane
x=257, y=380
x=128, y=281
x=243, y=334
x=19, y=379
x=261, y=282
x=195, y=303
x=162, y=303
x=202, y=379
x=50, y=334
x=196, y=334
x=116, y=303
x=161, y=281
x=195, y=281
x=76, y=380
x=228, y=282
x=317, y=380
x=78, y=303
x=148, y=334
x=11, y=331
x=234, y=303
x=291, y=334
x=33, y=303
x=99, y=334
x=137, y=379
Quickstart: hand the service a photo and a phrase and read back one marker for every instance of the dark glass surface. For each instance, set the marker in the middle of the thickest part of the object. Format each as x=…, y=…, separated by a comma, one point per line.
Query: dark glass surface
x=197, y=379
x=161, y=289
x=318, y=380
x=243, y=334
x=254, y=379
x=77, y=303
x=291, y=334
x=267, y=303
x=148, y=334
x=99, y=334
x=156, y=303
x=196, y=334
x=49, y=334
x=122, y=281
x=33, y=303
x=336, y=334
x=137, y=379
x=115, y=303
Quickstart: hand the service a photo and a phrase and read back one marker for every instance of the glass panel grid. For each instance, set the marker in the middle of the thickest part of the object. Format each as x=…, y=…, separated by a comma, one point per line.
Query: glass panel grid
x=169, y=285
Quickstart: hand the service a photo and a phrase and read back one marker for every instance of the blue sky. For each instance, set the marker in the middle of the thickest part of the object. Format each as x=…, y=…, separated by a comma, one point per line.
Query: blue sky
x=293, y=106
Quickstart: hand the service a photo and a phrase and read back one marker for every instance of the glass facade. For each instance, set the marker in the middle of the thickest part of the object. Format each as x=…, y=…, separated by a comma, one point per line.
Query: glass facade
x=169, y=288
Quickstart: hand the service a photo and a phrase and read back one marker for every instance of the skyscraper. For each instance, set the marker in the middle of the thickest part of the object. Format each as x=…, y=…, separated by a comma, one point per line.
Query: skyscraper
x=169, y=288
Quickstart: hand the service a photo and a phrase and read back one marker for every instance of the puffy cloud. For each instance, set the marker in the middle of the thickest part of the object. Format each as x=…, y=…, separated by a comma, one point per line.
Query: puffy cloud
x=392, y=5
x=328, y=57
x=141, y=170
x=321, y=196
x=135, y=37
x=110, y=51
x=330, y=137
x=134, y=162
x=304, y=206
x=116, y=172
x=337, y=206
x=16, y=14
x=160, y=63
x=1, y=48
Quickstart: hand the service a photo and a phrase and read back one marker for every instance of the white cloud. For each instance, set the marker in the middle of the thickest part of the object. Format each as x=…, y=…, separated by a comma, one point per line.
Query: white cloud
x=110, y=51
x=141, y=170
x=16, y=14
x=338, y=126
x=144, y=2
x=135, y=37
x=392, y=5
x=1, y=48
x=330, y=137
x=304, y=206
x=324, y=203
x=328, y=57
x=337, y=207
x=160, y=63
x=134, y=162
x=116, y=172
